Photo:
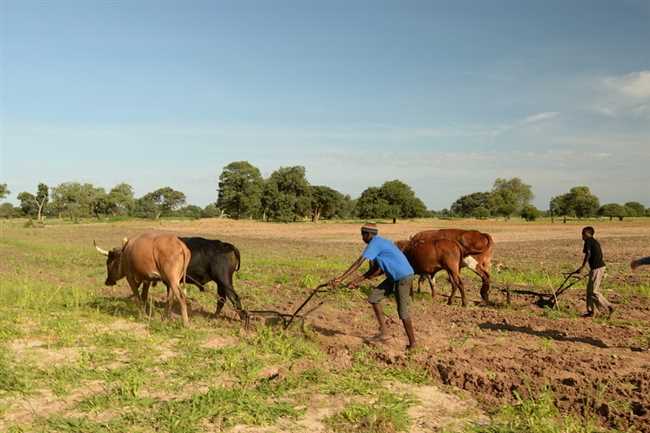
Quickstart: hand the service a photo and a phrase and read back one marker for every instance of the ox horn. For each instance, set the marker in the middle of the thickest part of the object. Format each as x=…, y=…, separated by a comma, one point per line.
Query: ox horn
x=104, y=252
x=124, y=241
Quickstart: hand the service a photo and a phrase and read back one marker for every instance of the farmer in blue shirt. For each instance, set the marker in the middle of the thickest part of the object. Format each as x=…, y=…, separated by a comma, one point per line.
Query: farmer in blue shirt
x=386, y=257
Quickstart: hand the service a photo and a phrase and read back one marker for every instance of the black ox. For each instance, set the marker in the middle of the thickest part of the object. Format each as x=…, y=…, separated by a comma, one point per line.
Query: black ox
x=213, y=260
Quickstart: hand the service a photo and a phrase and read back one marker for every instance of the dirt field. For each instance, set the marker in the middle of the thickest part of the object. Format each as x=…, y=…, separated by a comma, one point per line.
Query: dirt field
x=474, y=359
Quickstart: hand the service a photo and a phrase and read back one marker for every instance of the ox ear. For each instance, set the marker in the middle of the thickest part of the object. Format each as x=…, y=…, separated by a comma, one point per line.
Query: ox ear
x=124, y=241
x=101, y=251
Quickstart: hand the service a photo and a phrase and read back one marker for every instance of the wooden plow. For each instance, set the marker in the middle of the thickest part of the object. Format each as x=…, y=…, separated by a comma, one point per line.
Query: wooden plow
x=545, y=300
x=287, y=318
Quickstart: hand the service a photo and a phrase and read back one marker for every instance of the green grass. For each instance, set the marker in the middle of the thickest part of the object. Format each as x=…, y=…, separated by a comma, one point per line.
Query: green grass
x=538, y=415
x=367, y=377
x=385, y=414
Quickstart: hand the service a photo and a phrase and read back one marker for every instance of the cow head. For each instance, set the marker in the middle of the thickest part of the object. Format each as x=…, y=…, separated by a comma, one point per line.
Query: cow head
x=113, y=264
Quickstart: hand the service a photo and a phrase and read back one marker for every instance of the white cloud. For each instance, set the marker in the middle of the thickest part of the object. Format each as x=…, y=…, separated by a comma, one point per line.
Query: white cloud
x=623, y=96
x=540, y=117
x=634, y=85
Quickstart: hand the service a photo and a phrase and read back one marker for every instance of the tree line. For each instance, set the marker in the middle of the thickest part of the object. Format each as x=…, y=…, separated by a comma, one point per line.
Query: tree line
x=512, y=197
x=76, y=200
x=286, y=196
x=242, y=192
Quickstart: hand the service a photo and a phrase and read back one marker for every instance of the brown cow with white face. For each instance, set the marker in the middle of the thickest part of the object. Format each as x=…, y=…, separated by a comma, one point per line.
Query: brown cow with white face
x=477, y=250
x=148, y=258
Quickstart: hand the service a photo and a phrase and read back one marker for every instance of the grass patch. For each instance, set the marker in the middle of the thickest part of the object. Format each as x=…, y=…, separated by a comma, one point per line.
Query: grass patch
x=223, y=408
x=538, y=415
x=367, y=377
x=386, y=414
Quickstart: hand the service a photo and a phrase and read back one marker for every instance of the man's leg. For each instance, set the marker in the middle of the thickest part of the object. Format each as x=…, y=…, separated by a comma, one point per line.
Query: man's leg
x=379, y=315
x=590, y=294
x=598, y=298
x=403, y=300
x=375, y=297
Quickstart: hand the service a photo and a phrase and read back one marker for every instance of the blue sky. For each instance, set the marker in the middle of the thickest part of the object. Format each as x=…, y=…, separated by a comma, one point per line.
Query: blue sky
x=446, y=96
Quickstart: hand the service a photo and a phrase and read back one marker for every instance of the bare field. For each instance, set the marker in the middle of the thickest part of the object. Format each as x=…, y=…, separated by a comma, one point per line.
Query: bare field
x=77, y=356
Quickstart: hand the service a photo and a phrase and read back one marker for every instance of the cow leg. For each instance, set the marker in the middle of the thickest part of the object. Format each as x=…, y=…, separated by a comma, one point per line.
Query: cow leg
x=453, y=289
x=485, y=283
x=180, y=296
x=168, y=307
x=144, y=296
x=458, y=282
x=134, y=284
x=432, y=284
x=480, y=266
x=221, y=300
x=226, y=291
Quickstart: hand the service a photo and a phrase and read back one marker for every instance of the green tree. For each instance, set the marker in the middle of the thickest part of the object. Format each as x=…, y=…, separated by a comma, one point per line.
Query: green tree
x=584, y=203
x=102, y=204
x=7, y=210
x=346, y=208
x=325, y=201
x=559, y=206
x=634, y=209
x=402, y=200
x=190, y=211
x=75, y=200
x=480, y=212
x=613, y=210
x=4, y=192
x=164, y=200
x=530, y=213
x=287, y=195
x=122, y=198
x=394, y=199
x=27, y=204
x=371, y=204
x=146, y=207
x=579, y=202
x=509, y=196
x=240, y=190
x=475, y=204
x=34, y=205
x=210, y=211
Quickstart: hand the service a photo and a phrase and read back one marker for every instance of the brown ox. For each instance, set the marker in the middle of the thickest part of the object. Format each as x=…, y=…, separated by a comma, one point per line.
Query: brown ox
x=428, y=256
x=146, y=259
x=477, y=252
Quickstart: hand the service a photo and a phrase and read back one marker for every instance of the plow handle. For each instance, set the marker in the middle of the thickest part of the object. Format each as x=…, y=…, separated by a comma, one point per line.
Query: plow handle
x=311, y=295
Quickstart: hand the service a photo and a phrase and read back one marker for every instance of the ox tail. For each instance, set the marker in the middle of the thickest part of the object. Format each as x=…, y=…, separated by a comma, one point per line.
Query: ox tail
x=238, y=256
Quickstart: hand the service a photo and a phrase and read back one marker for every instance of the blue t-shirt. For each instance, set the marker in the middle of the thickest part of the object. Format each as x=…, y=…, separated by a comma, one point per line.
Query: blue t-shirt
x=389, y=258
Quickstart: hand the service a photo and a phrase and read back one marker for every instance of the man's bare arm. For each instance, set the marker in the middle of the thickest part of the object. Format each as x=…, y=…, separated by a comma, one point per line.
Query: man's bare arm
x=373, y=272
x=353, y=267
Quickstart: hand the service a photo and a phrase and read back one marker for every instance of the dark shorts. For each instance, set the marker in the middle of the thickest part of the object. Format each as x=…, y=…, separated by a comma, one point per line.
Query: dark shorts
x=402, y=290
